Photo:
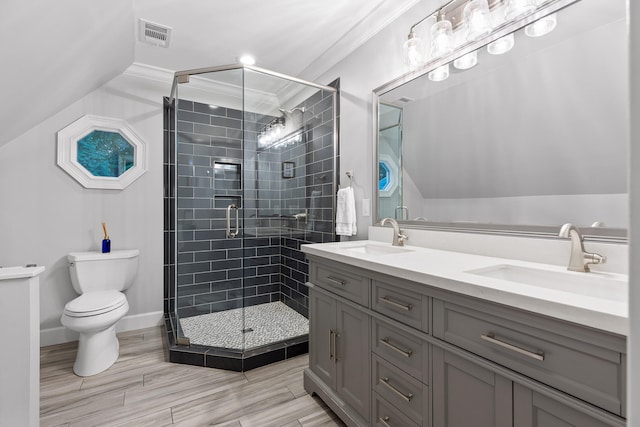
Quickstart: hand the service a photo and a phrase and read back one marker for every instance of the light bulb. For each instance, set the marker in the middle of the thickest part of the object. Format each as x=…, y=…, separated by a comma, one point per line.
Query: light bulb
x=542, y=26
x=441, y=39
x=502, y=45
x=477, y=19
x=278, y=130
x=467, y=61
x=439, y=74
x=518, y=8
x=413, y=48
x=247, y=60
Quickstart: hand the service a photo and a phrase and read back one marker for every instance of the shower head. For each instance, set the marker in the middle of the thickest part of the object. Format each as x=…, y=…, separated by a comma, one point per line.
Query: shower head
x=301, y=109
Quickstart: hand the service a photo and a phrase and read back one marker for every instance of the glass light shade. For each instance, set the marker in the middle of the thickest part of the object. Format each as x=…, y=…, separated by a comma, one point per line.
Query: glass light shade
x=517, y=8
x=477, y=19
x=502, y=45
x=413, y=51
x=262, y=139
x=441, y=39
x=439, y=74
x=278, y=130
x=467, y=61
x=542, y=26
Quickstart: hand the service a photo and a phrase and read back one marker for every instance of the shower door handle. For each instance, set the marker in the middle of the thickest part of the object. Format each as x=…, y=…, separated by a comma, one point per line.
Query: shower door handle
x=231, y=234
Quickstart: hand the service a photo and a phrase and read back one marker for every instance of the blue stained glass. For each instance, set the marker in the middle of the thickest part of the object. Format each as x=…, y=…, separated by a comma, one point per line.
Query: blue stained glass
x=105, y=153
x=384, y=176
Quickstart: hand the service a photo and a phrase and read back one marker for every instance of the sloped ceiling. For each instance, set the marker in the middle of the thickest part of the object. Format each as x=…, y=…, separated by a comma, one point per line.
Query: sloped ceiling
x=55, y=52
x=287, y=36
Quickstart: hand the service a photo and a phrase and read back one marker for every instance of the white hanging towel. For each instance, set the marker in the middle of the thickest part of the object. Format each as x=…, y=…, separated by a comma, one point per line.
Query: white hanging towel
x=346, y=213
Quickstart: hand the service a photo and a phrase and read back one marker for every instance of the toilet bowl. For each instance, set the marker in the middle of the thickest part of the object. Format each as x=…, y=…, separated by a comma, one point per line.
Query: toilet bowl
x=94, y=316
x=99, y=278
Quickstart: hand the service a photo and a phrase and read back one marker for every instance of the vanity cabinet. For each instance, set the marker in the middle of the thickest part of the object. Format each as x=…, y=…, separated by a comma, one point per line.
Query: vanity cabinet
x=386, y=351
x=339, y=341
x=532, y=409
x=466, y=394
x=579, y=361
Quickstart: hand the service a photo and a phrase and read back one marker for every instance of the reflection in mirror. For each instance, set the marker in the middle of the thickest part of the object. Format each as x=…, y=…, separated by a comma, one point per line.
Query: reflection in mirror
x=521, y=142
x=390, y=162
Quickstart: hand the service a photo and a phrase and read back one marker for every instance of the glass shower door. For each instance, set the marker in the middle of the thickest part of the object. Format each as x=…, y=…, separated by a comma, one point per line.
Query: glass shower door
x=209, y=157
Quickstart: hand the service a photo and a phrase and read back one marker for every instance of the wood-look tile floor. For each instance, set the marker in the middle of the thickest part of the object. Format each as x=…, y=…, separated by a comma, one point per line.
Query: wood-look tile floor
x=143, y=389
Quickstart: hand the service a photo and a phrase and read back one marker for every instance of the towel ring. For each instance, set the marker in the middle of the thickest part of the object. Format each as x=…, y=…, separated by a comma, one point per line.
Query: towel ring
x=350, y=175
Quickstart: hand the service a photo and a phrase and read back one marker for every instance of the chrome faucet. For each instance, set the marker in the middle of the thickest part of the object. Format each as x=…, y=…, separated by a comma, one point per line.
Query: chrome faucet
x=398, y=236
x=579, y=260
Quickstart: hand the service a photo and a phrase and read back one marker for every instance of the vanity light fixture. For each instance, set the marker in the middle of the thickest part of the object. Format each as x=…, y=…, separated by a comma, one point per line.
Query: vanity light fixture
x=413, y=49
x=515, y=9
x=467, y=61
x=272, y=132
x=477, y=19
x=502, y=45
x=542, y=26
x=439, y=74
x=441, y=39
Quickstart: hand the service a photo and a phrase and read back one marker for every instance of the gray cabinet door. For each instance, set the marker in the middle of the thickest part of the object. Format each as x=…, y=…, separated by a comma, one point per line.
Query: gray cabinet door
x=322, y=325
x=531, y=409
x=353, y=365
x=465, y=394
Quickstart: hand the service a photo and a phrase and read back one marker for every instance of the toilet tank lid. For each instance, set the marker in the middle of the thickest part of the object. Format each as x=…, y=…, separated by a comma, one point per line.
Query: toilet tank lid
x=93, y=256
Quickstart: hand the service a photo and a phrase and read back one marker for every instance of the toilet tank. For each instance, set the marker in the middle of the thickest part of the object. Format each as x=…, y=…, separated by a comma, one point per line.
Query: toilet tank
x=95, y=271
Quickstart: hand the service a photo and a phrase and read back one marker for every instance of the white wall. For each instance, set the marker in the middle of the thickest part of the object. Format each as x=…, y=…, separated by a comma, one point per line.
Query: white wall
x=46, y=214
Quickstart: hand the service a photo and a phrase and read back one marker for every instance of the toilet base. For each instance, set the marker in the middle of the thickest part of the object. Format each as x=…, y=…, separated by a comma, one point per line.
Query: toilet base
x=96, y=352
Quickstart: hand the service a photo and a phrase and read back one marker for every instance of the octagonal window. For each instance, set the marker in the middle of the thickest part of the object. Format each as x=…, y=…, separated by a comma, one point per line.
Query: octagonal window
x=102, y=152
x=384, y=176
x=105, y=153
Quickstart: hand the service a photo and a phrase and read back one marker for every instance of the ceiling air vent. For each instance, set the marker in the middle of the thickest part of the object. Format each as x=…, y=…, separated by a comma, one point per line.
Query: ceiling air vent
x=403, y=100
x=152, y=33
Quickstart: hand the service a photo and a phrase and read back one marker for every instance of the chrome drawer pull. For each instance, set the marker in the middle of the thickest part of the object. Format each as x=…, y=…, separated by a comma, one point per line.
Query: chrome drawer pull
x=337, y=280
x=384, y=422
x=396, y=304
x=406, y=397
x=492, y=339
x=406, y=353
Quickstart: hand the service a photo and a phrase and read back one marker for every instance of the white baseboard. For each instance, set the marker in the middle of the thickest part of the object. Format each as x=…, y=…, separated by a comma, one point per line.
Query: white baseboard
x=60, y=334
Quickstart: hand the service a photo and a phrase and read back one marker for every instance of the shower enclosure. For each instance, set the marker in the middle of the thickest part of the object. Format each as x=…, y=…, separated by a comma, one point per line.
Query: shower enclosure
x=250, y=175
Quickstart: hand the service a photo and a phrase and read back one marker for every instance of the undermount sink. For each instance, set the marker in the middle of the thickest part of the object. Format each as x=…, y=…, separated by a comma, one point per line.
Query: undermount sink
x=371, y=249
x=594, y=284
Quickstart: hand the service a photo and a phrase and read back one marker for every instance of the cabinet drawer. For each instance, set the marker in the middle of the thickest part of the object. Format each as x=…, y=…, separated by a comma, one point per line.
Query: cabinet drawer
x=579, y=361
x=400, y=304
x=400, y=389
x=407, y=352
x=340, y=281
x=386, y=415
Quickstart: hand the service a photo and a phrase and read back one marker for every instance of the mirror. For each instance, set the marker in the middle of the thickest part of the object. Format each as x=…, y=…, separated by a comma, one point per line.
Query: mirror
x=523, y=142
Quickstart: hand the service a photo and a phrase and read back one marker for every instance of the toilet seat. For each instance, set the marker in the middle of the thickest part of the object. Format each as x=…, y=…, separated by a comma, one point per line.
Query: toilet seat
x=95, y=303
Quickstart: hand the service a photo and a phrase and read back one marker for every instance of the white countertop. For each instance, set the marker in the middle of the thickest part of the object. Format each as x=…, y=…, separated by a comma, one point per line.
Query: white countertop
x=450, y=271
x=7, y=273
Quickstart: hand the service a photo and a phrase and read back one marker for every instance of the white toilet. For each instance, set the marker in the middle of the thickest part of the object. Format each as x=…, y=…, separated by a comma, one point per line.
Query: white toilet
x=99, y=279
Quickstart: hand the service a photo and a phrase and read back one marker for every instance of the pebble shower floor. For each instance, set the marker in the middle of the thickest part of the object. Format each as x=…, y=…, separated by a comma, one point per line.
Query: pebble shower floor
x=264, y=324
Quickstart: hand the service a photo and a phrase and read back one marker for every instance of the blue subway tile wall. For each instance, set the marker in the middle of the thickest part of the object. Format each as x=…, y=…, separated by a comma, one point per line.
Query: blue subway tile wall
x=214, y=167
